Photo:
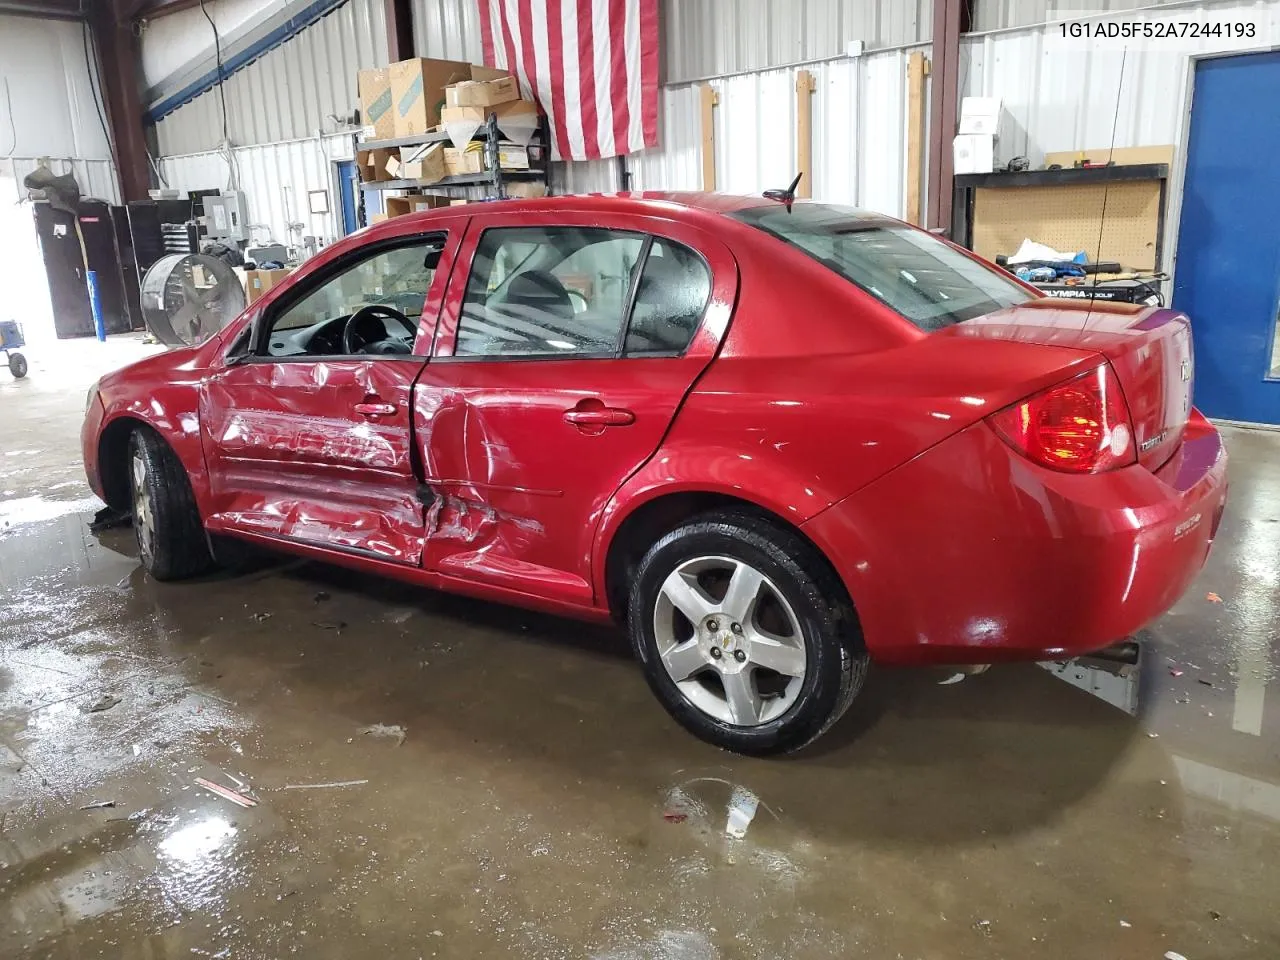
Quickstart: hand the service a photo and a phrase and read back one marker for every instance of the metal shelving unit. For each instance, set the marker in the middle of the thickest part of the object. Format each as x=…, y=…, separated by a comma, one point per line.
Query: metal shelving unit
x=492, y=176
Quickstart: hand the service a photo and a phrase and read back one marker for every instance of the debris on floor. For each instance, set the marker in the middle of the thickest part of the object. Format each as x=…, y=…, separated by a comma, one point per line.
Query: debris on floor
x=108, y=518
x=1125, y=923
x=983, y=927
x=1175, y=673
x=335, y=625
x=226, y=793
x=389, y=731
x=104, y=702
x=1212, y=597
x=742, y=810
x=1174, y=955
x=260, y=617
x=954, y=678
x=99, y=805
x=398, y=616
x=1207, y=683
x=323, y=786
x=321, y=596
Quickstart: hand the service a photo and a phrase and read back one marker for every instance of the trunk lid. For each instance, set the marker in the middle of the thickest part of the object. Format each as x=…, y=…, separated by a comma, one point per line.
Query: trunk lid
x=1148, y=347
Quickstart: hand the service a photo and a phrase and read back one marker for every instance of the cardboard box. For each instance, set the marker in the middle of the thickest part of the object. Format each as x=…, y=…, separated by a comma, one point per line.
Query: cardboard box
x=980, y=115
x=512, y=156
x=378, y=218
x=974, y=153
x=413, y=203
x=458, y=202
x=375, y=104
x=525, y=191
x=417, y=92
x=517, y=120
x=480, y=72
x=372, y=164
x=425, y=163
x=459, y=162
x=259, y=282
x=481, y=93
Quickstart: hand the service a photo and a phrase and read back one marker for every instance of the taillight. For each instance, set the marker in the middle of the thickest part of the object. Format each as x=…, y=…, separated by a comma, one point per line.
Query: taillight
x=1081, y=426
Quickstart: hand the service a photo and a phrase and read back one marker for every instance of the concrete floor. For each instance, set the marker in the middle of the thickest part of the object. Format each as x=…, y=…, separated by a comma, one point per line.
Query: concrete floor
x=1008, y=816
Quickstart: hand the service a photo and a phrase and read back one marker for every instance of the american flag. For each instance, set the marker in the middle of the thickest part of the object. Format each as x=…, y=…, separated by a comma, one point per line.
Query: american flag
x=592, y=66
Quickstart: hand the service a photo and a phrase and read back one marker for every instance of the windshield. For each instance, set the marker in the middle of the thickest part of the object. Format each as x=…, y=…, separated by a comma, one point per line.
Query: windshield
x=925, y=280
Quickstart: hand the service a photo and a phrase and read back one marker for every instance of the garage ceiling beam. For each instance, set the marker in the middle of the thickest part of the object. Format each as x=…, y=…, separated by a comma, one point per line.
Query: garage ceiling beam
x=399, y=17
x=150, y=9
x=949, y=21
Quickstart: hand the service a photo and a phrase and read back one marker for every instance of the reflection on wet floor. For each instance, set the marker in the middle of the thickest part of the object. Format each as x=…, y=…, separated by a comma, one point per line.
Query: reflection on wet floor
x=541, y=804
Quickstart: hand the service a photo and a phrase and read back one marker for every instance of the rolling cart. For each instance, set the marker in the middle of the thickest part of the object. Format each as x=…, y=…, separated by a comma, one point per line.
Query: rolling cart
x=10, y=341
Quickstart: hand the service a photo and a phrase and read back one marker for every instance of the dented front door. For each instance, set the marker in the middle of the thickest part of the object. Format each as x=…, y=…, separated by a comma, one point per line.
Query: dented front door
x=318, y=449
x=318, y=453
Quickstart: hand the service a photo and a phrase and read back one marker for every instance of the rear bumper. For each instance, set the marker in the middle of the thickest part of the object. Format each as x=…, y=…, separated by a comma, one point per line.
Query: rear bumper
x=971, y=554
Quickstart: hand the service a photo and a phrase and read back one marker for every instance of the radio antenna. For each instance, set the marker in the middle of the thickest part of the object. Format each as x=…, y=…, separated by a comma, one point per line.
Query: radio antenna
x=1106, y=185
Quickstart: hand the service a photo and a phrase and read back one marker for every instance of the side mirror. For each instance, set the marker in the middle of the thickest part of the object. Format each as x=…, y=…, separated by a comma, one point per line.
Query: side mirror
x=243, y=346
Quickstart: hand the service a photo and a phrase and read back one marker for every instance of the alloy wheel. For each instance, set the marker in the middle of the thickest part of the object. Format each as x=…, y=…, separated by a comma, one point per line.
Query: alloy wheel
x=729, y=640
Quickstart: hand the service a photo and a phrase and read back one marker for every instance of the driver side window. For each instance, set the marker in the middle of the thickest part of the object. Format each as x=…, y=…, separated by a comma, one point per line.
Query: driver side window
x=317, y=325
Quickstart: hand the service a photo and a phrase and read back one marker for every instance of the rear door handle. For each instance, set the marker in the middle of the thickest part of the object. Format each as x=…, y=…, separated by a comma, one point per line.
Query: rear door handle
x=600, y=417
x=375, y=409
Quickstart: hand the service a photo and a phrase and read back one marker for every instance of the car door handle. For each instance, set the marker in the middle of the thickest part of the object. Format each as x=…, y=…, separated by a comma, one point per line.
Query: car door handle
x=375, y=409
x=600, y=417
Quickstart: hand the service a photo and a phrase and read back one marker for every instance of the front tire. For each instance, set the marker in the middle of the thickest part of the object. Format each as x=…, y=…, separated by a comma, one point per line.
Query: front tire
x=746, y=635
x=17, y=365
x=172, y=544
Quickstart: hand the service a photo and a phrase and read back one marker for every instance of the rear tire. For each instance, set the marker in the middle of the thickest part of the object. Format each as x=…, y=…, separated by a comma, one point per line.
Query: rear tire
x=17, y=365
x=172, y=543
x=746, y=635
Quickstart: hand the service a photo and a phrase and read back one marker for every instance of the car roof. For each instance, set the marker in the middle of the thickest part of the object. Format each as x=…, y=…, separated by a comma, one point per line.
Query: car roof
x=634, y=202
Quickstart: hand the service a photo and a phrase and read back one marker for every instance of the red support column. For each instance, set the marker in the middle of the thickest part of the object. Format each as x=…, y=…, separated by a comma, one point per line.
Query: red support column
x=118, y=54
x=399, y=17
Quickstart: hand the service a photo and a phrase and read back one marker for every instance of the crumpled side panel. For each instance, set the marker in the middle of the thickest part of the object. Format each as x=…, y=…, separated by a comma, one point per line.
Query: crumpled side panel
x=291, y=456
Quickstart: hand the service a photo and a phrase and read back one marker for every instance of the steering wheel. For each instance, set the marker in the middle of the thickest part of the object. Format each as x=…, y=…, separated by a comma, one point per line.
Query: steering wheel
x=373, y=311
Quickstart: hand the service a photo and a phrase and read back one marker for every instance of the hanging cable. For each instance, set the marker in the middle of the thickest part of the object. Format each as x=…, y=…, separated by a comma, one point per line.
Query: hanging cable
x=94, y=68
x=13, y=127
x=222, y=99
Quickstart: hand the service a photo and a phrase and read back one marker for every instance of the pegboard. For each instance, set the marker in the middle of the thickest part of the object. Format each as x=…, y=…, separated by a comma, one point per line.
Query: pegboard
x=1067, y=218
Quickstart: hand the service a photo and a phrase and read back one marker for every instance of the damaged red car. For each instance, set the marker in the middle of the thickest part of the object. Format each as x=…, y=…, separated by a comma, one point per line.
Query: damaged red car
x=777, y=441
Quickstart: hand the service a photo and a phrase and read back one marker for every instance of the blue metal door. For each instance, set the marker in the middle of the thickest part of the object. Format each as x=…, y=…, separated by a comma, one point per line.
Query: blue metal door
x=1228, y=270
x=348, y=185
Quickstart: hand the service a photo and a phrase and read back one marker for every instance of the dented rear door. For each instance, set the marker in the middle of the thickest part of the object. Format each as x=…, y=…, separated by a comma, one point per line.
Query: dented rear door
x=530, y=415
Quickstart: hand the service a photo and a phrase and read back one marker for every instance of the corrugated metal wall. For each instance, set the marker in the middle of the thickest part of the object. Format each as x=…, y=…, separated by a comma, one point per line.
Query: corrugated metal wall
x=703, y=38
x=275, y=178
x=998, y=14
x=859, y=134
x=291, y=91
x=447, y=30
x=47, y=106
x=1067, y=99
x=97, y=178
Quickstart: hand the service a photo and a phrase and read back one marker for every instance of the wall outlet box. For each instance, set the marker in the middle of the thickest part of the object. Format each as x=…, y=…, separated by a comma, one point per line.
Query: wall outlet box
x=854, y=49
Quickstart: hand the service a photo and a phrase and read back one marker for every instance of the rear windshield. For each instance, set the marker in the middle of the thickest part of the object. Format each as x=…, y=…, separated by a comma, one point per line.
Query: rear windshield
x=928, y=282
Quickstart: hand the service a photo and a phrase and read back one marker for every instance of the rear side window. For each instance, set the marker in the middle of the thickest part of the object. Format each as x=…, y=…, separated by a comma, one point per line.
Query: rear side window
x=548, y=291
x=580, y=292
x=925, y=280
x=672, y=296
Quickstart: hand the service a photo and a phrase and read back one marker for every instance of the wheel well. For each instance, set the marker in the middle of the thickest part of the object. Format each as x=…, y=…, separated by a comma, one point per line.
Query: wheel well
x=650, y=522
x=113, y=461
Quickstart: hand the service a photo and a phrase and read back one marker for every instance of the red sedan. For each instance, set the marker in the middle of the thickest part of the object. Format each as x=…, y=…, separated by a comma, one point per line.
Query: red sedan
x=776, y=441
